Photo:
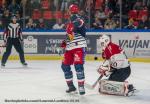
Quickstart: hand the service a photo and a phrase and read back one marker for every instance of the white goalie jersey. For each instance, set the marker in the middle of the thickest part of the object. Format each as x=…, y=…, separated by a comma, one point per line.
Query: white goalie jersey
x=119, y=61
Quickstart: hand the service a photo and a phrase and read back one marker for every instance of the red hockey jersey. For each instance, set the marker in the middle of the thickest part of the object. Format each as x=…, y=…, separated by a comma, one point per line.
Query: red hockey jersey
x=115, y=55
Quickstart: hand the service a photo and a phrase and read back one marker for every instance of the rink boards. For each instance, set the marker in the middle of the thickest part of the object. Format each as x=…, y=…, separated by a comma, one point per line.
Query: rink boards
x=45, y=45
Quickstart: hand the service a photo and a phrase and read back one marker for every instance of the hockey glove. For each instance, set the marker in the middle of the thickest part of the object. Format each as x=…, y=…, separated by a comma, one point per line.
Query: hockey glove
x=70, y=31
x=71, y=37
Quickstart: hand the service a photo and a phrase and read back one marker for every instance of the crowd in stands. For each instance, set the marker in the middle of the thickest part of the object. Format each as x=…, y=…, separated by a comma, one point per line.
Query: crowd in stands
x=98, y=14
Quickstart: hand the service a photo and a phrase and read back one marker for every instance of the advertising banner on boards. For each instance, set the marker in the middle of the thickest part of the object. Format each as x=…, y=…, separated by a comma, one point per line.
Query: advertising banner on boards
x=135, y=44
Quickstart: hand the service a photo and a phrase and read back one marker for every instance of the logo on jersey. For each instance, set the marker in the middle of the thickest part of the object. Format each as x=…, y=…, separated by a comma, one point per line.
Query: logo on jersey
x=76, y=58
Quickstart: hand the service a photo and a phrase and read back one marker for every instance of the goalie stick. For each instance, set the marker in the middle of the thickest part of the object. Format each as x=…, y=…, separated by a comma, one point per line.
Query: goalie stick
x=94, y=84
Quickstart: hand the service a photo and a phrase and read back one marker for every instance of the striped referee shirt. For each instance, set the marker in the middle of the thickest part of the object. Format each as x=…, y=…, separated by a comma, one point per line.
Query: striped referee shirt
x=13, y=31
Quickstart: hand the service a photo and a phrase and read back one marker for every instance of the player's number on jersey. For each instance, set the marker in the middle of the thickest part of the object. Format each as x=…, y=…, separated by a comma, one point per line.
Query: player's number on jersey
x=114, y=64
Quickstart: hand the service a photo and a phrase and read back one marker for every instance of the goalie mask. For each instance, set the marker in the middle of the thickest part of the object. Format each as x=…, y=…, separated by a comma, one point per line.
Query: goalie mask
x=104, y=41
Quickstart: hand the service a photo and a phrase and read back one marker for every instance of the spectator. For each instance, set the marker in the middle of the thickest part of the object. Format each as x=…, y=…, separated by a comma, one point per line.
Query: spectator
x=109, y=24
x=41, y=24
x=28, y=10
x=35, y=4
x=144, y=23
x=88, y=5
x=111, y=4
x=19, y=20
x=85, y=17
x=130, y=25
x=2, y=9
x=14, y=7
x=81, y=3
x=64, y=5
x=117, y=22
x=146, y=2
x=30, y=25
x=6, y=18
x=138, y=5
x=59, y=25
x=97, y=24
x=108, y=11
x=52, y=5
x=97, y=14
x=102, y=14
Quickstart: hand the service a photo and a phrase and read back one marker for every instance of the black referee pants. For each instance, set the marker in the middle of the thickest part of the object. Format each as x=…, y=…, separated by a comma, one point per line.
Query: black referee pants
x=17, y=45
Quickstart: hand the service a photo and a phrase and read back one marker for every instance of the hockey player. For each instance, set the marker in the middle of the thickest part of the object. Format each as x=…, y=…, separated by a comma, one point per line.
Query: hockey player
x=13, y=37
x=116, y=66
x=75, y=50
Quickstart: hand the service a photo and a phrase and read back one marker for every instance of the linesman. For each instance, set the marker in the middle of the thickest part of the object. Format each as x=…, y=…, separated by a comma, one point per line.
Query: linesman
x=13, y=37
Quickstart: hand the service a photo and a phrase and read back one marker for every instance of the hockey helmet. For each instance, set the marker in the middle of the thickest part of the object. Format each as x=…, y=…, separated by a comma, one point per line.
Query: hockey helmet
x=104, y=40
x=73, y=8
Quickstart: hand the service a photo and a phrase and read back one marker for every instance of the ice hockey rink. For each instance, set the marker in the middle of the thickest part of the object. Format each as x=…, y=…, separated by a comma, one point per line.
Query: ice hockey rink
x=42, y=82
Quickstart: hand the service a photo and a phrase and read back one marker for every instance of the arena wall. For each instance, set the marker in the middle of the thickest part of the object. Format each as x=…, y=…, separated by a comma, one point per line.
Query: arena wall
x=45, y=45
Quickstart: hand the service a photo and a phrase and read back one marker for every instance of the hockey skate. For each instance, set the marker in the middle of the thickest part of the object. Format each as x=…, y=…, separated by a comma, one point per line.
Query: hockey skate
x=81, y=90
x=71, y=89
x=130, y=90
x=24, y=64
x=2, y=65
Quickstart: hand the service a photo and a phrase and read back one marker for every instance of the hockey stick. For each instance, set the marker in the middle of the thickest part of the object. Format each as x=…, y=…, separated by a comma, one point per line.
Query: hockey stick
x=94, y=84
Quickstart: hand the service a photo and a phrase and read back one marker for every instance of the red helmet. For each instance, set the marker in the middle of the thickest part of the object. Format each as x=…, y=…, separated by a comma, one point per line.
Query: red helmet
x=73, y=8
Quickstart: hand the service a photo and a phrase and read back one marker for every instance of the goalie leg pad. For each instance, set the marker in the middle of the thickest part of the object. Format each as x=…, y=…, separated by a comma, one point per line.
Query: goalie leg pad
x=112, y=87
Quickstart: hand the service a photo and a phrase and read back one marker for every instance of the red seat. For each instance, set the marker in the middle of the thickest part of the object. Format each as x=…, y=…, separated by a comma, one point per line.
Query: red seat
x=45, y=4
x=142, y=13
x=133, y=14
x=58, y=14
x=36, y=14
x=99, y=4
x=1, y=2
x=47, y=15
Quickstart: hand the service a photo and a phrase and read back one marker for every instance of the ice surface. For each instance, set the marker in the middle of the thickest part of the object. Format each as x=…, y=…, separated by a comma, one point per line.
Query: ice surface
x=44, y=80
